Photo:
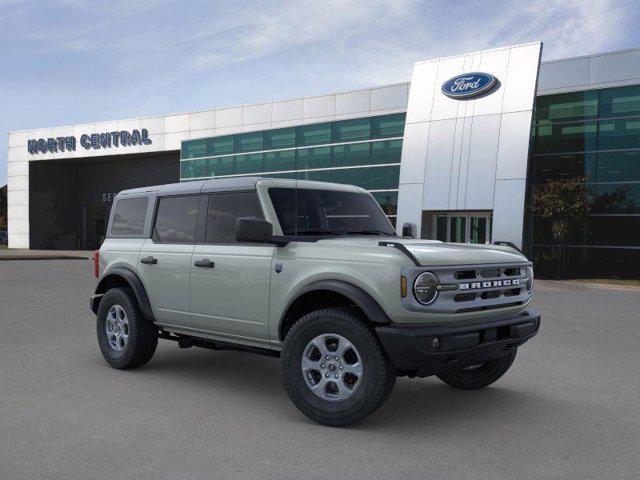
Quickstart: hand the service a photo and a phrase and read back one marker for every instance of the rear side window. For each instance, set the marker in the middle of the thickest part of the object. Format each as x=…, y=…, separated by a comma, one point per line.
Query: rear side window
x=176, y=219
x=224, y=209
x=128, y=216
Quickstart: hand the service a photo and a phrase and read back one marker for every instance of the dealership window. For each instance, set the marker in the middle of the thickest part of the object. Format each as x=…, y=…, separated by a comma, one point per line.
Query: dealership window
x=224, y=209
x=298, y=152
x=388, y=151
x=283, y=160
x=388, y=126
x=194, y=148
x=248, y=142
x=220, y=166
x=316, y=134
x=348, y=155
x=280, y=138
x=128, y=216
x=220, y=145
x=176, y=219
x=605, y=151
x=383, y=178
x=249, y=163
x=620, y=102
x=618, y=166
x=318, y=157
x=352, y=130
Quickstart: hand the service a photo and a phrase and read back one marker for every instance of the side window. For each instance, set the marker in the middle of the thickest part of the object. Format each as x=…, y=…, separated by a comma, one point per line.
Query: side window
x=176, y=219
x=128, y=216
x=224, y=210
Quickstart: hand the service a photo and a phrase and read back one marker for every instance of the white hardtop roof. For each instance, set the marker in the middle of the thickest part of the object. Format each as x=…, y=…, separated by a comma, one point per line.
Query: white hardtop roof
x=234, y=183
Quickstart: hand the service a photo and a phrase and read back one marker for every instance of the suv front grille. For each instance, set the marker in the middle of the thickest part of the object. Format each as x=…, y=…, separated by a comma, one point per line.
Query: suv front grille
x=476, y=288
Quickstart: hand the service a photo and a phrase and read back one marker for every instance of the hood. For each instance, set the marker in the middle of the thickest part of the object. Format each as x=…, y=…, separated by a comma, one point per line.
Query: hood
x=434, y=252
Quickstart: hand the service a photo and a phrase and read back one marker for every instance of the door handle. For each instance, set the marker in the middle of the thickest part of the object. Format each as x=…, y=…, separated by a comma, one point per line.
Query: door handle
x=149, y=260
x=204, y=263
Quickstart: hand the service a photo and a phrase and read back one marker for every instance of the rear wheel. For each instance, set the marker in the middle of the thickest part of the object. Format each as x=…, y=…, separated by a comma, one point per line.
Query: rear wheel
x=479, y=376
x=126, y=338
x=334, y=369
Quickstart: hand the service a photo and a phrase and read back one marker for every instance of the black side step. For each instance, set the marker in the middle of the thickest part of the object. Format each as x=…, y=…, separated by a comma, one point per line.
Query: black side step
x=400, y=246
x=187, y=341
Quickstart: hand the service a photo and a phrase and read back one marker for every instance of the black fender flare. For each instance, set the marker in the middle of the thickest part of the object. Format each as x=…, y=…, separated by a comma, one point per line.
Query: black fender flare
x=134, y=283
x=369, y=306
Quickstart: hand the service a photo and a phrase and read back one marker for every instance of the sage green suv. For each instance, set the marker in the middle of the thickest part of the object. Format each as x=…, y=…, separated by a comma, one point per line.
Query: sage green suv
x=312, y=273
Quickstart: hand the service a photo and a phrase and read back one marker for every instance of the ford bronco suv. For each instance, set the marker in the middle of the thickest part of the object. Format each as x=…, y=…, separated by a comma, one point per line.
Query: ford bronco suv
x=313, y=273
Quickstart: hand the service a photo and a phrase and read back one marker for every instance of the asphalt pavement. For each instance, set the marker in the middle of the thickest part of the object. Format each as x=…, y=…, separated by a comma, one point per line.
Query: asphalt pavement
x=568, y=408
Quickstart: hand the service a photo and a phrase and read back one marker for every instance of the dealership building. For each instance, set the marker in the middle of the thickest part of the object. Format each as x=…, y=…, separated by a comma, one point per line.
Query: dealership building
x=458, y=153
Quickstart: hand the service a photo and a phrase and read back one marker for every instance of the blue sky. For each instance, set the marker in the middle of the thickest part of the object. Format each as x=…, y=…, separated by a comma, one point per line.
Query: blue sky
x=72, y=61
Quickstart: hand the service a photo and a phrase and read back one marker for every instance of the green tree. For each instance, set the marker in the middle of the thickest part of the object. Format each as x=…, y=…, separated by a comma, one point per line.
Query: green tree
x=565, y=204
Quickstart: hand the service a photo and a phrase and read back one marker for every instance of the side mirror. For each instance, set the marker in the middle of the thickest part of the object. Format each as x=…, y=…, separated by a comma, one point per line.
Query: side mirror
x=252, y=229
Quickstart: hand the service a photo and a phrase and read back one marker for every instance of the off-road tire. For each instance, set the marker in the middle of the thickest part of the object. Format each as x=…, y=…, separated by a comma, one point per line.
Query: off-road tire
x=479, y=377
x=143, y=335
x=378, y=376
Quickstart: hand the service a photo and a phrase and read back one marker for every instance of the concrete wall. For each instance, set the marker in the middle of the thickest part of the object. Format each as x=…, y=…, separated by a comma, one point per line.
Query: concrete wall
x=470, y=154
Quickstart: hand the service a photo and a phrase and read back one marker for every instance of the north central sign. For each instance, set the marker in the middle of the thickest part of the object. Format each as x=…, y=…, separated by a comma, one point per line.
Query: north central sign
x=93, y=141
x=469, y=85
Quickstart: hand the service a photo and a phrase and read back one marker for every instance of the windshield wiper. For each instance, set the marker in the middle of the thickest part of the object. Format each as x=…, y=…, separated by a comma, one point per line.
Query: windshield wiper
x=316, y=231
x=369, y=232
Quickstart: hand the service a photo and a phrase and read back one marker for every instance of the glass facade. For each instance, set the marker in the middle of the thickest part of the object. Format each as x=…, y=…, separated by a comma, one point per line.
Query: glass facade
x=363, y=151
x=593, y=136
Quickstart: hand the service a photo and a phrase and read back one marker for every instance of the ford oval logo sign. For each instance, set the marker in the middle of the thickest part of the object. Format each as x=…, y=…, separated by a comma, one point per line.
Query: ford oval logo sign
x=468, y=85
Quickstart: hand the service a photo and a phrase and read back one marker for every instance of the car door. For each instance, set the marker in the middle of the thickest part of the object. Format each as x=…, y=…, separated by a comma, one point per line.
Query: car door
x=164, y=262
x=230, y=280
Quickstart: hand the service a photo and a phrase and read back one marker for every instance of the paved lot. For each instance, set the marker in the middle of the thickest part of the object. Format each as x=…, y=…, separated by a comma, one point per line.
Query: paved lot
x=569, y=408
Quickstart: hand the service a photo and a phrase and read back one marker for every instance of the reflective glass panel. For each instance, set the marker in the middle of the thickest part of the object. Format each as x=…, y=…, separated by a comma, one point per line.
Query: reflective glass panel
x=194, y=148
x=250, y=163
x=386, y=126
x=285, y=160
x=618, y=166
x=553, y=167
x=220, y=166
x=319, y=157
x=615, y=134
x=384, y=178
x=351, y=130
x=388, y=151
x=280, y=138
x=316, y=134
x=220, y=145
x=348, y=155
x=620, y=102
x=248, y=142
x=575, y=137
x=566, y=107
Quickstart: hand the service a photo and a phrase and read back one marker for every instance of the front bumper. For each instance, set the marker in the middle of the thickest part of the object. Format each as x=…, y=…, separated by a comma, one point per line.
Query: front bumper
x=425, y=350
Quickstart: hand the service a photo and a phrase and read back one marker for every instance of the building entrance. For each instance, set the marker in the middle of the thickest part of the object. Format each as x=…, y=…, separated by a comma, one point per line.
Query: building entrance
x=460, y=227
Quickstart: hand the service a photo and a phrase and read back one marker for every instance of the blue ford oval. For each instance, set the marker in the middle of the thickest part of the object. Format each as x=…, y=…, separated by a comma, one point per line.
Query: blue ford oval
x=468, y=85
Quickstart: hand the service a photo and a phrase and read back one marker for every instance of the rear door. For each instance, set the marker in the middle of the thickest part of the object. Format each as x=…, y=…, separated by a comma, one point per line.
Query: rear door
x=230, y=280
x=164, y=263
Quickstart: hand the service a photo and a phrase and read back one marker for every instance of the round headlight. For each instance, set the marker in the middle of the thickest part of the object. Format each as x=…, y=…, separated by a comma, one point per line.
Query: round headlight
x=529, y=274
x=425, y=288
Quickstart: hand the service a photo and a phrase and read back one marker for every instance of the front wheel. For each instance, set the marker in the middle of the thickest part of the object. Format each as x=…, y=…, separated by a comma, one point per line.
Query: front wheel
x=334, y=369
x=479, y=376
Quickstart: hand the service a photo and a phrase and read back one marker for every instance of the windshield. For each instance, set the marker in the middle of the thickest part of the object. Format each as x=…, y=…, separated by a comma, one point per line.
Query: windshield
x=328, y=212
